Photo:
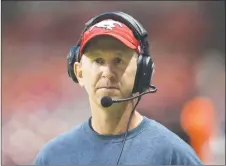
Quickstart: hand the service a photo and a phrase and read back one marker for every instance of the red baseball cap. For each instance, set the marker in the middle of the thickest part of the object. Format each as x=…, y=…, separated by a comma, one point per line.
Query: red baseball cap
x=112, y=28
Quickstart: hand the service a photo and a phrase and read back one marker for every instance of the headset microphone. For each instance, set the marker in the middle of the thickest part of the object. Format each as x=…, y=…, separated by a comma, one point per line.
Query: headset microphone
x=107, y=101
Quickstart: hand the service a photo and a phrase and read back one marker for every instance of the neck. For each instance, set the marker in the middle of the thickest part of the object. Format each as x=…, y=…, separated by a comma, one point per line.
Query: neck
x=114, y=119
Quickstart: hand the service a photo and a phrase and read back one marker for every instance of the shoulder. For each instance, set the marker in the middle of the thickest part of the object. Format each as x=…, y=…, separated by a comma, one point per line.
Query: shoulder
x=178, y=150
x=57, y=145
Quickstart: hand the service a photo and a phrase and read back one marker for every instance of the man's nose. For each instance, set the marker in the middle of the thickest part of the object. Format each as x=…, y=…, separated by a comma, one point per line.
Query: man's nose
x=108, y=72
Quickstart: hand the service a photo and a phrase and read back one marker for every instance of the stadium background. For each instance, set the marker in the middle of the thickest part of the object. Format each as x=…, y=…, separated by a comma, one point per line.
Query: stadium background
x=39, y=100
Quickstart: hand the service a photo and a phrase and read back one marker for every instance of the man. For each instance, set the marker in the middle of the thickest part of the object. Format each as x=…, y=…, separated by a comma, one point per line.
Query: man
x=109, y=54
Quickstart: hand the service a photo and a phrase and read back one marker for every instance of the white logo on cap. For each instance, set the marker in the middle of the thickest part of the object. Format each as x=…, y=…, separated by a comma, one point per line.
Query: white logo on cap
x=107, y=24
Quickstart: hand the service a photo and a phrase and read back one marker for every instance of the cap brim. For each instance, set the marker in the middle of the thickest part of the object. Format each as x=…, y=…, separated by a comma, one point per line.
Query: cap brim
x=120, y=38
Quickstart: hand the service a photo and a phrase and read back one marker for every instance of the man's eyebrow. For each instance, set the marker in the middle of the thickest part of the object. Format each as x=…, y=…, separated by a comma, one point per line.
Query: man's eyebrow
x=119, y=52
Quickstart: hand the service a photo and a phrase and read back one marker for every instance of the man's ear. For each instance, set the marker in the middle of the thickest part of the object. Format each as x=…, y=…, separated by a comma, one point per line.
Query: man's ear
x=78, y=73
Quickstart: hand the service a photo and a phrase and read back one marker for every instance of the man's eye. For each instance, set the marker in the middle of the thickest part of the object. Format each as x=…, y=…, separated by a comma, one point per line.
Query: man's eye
x=99, y=61
x=118, y=60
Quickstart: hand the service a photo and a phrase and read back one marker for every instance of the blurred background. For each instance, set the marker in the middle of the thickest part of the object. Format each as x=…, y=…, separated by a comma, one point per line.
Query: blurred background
x=40, y=101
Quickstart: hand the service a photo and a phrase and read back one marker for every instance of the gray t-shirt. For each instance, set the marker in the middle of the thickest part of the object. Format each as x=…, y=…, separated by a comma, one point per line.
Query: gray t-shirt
x=149, y=143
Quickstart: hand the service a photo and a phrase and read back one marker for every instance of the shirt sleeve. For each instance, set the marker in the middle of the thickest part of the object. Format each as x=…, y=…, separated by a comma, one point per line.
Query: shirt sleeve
x=185, y=156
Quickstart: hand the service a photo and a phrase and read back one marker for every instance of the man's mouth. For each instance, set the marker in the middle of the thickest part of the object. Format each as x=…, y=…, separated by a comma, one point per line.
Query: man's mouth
x=107, y=87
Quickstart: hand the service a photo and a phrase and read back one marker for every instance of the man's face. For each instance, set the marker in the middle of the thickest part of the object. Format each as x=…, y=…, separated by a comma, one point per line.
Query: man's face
x=107, y=68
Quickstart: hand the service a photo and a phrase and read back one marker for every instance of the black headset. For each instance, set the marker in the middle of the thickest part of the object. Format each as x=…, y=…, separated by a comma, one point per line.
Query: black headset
x=145, y=65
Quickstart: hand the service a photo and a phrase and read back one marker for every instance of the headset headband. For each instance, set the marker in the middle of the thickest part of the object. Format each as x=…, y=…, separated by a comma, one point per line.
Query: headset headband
x=138, y=30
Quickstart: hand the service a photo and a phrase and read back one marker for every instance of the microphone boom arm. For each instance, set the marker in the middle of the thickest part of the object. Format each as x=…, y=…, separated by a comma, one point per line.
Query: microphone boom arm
x=141, y=94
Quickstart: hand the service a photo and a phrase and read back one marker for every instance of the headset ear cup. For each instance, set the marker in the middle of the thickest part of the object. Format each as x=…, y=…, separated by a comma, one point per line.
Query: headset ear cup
x=147, y=72
x=137, y=77
x=144, y=74
x=72, y=57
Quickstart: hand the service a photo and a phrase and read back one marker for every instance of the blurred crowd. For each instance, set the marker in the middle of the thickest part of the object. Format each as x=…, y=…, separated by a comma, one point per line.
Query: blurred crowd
x=40, y=101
